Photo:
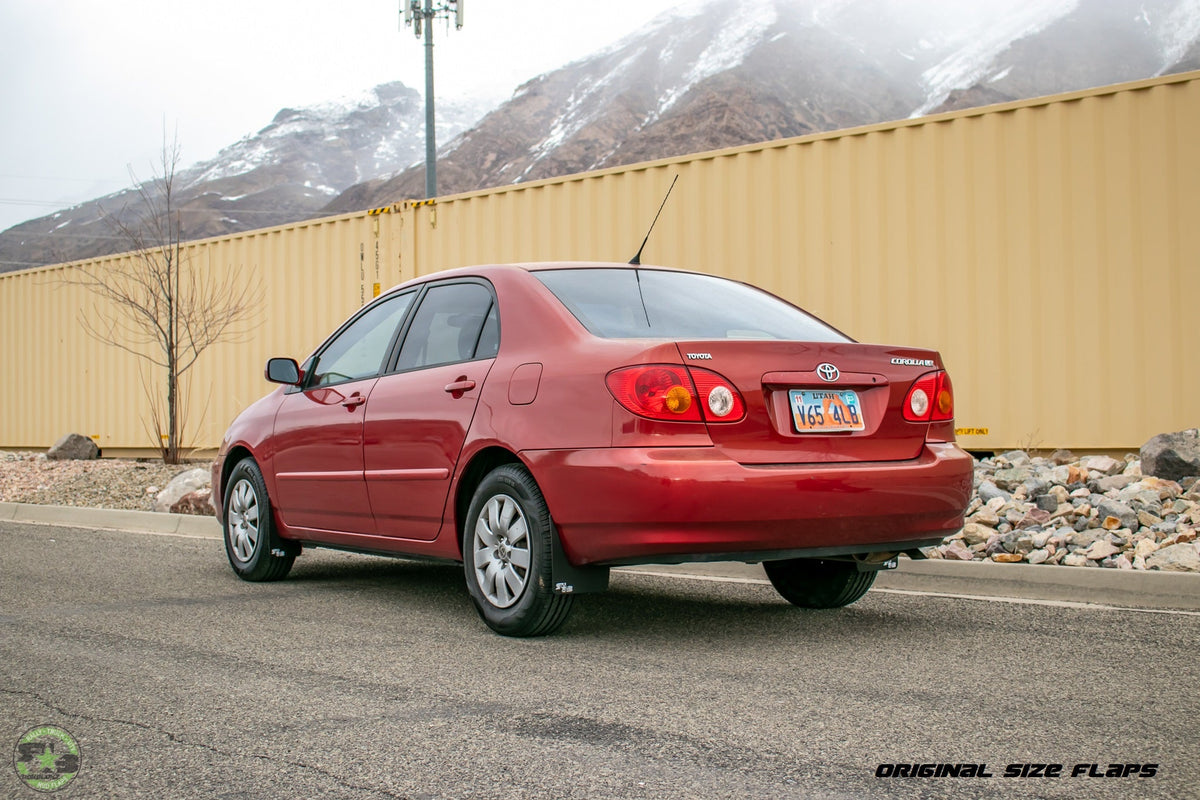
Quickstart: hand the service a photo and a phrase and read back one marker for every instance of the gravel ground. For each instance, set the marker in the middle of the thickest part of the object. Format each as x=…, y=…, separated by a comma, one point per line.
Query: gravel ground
x=104, y=483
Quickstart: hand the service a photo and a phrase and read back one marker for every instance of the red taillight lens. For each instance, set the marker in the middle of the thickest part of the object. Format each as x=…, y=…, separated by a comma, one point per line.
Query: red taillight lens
x=668, y=392
x=657, y=392
x=930, y=399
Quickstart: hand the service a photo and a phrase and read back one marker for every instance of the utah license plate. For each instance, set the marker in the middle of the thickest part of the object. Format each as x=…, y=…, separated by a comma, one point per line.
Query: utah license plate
x=826, y=411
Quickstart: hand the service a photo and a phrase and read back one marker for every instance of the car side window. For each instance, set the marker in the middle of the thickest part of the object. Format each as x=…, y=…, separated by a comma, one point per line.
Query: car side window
x=359, y=350
x=455, y=322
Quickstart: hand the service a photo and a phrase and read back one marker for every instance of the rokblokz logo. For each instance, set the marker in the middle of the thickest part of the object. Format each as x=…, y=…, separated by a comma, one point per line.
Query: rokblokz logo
x=47, y=758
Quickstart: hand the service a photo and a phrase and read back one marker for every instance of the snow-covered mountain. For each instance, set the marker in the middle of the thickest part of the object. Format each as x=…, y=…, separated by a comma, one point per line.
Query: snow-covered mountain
x=728, y=72
x=287, y=171
x=707, y=74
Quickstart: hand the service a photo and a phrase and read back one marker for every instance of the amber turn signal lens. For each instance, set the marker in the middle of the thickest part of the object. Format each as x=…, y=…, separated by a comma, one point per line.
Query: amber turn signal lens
x=945, y=404
x=677, y=400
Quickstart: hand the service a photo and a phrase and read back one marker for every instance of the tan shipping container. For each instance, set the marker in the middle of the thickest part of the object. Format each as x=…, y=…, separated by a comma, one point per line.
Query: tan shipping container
x=1048, y=248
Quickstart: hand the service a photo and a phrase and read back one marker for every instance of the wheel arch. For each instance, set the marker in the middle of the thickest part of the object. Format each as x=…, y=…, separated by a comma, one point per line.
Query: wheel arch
x=570, y=578
x=232, y=459
x=473, y=474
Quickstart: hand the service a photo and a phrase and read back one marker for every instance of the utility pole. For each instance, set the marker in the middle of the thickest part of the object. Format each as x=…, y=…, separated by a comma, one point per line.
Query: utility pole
x=420, y=14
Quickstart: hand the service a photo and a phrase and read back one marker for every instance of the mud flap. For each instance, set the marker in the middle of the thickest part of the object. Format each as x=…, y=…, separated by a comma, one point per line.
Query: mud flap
x=569, y=579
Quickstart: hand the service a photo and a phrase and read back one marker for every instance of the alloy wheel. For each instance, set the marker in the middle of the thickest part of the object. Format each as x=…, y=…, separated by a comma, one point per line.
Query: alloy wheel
x=500, y=547
x=243, y=520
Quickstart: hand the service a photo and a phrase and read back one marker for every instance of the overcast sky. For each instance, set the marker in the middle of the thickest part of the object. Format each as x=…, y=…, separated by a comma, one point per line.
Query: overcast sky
x=87, y=85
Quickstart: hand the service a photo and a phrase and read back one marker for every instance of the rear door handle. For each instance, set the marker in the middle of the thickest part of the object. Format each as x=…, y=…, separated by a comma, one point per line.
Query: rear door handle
x=460, y=386
x=354, y=401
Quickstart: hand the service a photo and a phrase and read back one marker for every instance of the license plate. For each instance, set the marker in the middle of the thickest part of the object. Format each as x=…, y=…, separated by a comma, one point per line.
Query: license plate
x=826, y=411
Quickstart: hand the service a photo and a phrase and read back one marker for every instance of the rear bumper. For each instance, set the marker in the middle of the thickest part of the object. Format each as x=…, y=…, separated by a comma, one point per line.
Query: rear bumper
x=669, y=505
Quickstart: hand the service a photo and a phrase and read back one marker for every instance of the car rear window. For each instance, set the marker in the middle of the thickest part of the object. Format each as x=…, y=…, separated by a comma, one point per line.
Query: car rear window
x=647, y=303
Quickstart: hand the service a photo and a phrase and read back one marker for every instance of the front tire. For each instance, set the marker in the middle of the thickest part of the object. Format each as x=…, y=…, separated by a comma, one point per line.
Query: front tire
x=251, y=543
x=817, y=583
x=507, y=556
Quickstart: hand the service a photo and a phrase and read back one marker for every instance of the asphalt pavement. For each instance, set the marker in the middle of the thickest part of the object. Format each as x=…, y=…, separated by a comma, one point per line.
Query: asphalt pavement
x=370, y=677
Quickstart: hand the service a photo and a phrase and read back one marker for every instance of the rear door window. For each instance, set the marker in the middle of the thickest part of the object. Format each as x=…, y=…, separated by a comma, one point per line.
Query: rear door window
x=455, y=322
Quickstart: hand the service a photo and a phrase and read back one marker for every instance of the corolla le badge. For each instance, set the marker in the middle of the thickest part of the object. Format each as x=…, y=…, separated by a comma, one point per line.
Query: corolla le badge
x=827, y=372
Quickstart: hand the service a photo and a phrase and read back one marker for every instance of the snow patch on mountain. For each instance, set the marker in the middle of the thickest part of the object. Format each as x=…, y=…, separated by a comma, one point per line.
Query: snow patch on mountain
x=742, y=32
x=581, y=108
x=977, y=45
x=1180, y=31
x=370, y=134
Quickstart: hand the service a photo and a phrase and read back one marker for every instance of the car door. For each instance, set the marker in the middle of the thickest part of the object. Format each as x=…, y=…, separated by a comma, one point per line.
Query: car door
x=419, y=413
x=318, y=459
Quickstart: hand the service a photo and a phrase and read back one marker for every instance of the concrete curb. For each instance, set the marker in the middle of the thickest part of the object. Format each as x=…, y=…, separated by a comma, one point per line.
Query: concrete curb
x=1118, y=587
x=1126, y=588
x=112, y=519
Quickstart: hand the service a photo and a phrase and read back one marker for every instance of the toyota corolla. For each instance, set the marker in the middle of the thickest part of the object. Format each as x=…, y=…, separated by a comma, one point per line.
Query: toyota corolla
x=542, y=423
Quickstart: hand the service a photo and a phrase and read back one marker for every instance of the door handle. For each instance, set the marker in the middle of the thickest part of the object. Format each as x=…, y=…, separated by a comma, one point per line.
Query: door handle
x=459, y=386
x=354, y=401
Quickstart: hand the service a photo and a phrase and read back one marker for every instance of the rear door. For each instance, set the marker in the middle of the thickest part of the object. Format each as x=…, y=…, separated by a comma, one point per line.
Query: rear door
x=420, y=412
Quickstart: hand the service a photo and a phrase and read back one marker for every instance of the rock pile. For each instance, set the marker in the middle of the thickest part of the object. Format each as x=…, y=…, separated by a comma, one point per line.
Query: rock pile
x=1095, y=511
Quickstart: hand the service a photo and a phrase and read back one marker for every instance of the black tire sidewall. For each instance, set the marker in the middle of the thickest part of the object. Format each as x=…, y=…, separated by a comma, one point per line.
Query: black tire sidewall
x=525, y=617
x=818, y=583
x=263, y=564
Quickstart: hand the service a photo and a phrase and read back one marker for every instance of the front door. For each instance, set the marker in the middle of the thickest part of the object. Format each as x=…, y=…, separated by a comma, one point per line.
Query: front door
x=318, y=463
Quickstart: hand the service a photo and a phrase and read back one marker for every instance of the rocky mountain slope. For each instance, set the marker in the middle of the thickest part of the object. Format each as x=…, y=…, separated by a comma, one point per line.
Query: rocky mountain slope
x=729, y=72
x=287, y=171
x=706, y=75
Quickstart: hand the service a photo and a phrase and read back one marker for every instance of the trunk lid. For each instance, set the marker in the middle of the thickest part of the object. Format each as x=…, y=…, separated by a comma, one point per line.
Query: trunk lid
x=799, y=410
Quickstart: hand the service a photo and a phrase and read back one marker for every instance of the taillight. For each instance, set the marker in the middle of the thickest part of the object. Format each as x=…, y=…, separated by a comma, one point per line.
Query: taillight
x=930, y=399
x=657, y=392
x=720, y=401
x=668, y=392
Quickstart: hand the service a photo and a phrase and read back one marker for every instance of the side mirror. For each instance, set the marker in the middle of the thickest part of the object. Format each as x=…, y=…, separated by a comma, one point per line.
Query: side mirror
x=283, y=370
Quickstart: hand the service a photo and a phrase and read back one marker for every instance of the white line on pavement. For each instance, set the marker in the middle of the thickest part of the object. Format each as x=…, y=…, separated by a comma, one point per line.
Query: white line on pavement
x=1052, y=603
x=690, y=577
x=979, y=597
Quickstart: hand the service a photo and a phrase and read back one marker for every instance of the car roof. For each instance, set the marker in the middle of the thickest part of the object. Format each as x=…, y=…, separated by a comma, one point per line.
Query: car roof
x=483, y=270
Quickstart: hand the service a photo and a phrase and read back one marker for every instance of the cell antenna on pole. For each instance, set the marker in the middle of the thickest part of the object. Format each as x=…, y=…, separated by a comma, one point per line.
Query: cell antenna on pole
x=420, y=15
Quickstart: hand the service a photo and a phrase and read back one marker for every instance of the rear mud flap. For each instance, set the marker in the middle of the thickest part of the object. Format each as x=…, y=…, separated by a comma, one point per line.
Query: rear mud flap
x=569, y=579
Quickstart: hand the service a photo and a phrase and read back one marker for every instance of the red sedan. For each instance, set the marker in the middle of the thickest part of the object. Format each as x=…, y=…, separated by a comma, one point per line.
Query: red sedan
x=541, y=423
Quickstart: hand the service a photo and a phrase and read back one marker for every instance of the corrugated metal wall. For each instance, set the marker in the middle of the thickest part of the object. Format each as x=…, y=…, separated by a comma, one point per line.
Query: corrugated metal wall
x=1050, y=249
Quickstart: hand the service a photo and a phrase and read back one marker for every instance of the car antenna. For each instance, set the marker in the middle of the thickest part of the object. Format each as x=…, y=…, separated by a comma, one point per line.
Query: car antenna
x=637, y=259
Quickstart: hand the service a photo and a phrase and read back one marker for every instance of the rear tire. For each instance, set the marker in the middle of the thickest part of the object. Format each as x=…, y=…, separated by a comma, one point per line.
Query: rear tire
x=251, y=543
x=817, y=583
x=507, y=556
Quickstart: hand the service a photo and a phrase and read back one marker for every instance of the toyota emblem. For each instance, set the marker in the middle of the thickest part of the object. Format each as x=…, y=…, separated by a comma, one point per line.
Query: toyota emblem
x=827, y=372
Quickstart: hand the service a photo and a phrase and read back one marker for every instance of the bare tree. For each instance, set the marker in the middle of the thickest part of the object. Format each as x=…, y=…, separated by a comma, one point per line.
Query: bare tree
x=159, y=306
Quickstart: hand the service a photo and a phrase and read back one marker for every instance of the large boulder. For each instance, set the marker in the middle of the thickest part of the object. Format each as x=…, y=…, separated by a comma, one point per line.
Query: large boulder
x=1175, y=558
x=184, y=483
x=198, y=502
x=73, y=447
x=1172, y=456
